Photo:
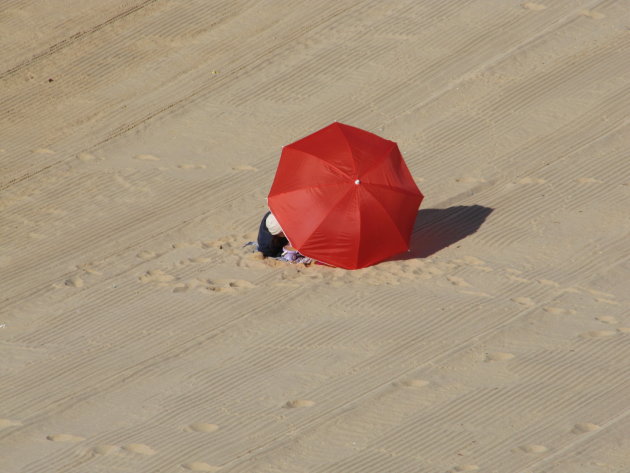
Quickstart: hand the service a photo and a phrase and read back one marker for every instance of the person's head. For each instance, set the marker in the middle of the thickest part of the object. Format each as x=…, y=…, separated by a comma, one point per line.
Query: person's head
x=273, y=226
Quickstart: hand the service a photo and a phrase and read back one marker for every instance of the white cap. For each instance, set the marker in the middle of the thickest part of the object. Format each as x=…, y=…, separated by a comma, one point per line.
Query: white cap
x=272, y=225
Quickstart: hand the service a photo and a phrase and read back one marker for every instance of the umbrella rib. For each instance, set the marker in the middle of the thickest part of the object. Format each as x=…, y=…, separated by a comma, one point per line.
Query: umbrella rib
x=340, y=126
x=316, y=186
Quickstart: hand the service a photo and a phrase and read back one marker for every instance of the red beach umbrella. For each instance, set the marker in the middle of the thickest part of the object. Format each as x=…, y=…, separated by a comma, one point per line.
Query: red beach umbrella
x=344, y=196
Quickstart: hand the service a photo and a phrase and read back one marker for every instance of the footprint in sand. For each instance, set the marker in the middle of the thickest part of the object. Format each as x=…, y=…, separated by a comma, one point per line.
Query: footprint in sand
x=598, y=334
x=200, y=466
x=558, y=311
x=606, y=301
x=582, y=428
x=64, y=438
x=415, y=383
x=588, y=180
x=533, y=448
x=458, y=281
x=513, y=277
x=44, y=151
x=547, y=282
x=201, y=427
x=592, y=14
x=75, y=281
x=106, y=449
x=607, y=319
x=623, y=330
x=533, y=6
x=146, y=255
x=85, y=157
x=191, y=166
x=139, y=448
x=6, y=423
x=157, y=276
x=228, y=285
x=468, y=179
x=146, y=157
x=244, y=167
x=498, y=356
x=299, y=403
x=531, y=180
x=526, y=301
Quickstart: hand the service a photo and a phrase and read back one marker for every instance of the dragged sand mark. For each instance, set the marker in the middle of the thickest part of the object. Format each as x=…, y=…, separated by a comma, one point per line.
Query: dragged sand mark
x=200, y=466
x=244, y=167
x=299, y=403
x=201, y=427
x=548, y=282
x=594, y=15
x=599, y=334
x=139, y=448
x=526, y=301
x=498, y=356
x=588, y=180
x=146, y=157
x=106, y=450
x=64, y=438
x=533, y=6
x=584, y=427
x=533, y=448
x=44, y=151
x=466, y=468
x=6, y=423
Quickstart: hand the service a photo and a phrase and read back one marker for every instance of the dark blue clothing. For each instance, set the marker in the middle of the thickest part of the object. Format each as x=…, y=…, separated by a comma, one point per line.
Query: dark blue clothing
x=268, y=244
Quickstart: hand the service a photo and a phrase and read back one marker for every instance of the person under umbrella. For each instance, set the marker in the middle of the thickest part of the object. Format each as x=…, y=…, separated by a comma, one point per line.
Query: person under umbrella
x=273, y=243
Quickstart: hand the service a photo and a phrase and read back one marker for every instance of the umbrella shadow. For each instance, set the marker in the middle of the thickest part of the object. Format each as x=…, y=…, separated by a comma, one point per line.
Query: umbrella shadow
x=436, y=229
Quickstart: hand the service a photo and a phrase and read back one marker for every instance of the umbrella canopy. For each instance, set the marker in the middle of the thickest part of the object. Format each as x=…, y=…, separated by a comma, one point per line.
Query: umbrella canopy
x=344, y=196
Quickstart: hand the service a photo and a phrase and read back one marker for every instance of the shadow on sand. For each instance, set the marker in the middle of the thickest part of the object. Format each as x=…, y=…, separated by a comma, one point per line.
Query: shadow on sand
x=435, y=229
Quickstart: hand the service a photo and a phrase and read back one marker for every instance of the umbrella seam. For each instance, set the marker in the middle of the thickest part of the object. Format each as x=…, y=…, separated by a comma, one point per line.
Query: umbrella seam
x=347, y=142
x=306, y=187
x=336, y=170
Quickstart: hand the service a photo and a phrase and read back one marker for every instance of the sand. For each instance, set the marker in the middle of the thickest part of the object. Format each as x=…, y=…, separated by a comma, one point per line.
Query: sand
x=138, y=141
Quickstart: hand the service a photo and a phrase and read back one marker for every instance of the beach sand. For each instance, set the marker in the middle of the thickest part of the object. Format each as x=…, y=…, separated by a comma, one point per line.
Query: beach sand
x=138, y=141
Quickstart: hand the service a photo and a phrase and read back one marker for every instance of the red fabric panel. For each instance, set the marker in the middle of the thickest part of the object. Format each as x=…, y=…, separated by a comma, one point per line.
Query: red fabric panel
x=334, y=240
x=331, y=146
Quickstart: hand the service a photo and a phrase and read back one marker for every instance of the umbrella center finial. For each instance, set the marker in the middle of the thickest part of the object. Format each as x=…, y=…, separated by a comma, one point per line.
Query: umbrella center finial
x=357, y=182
